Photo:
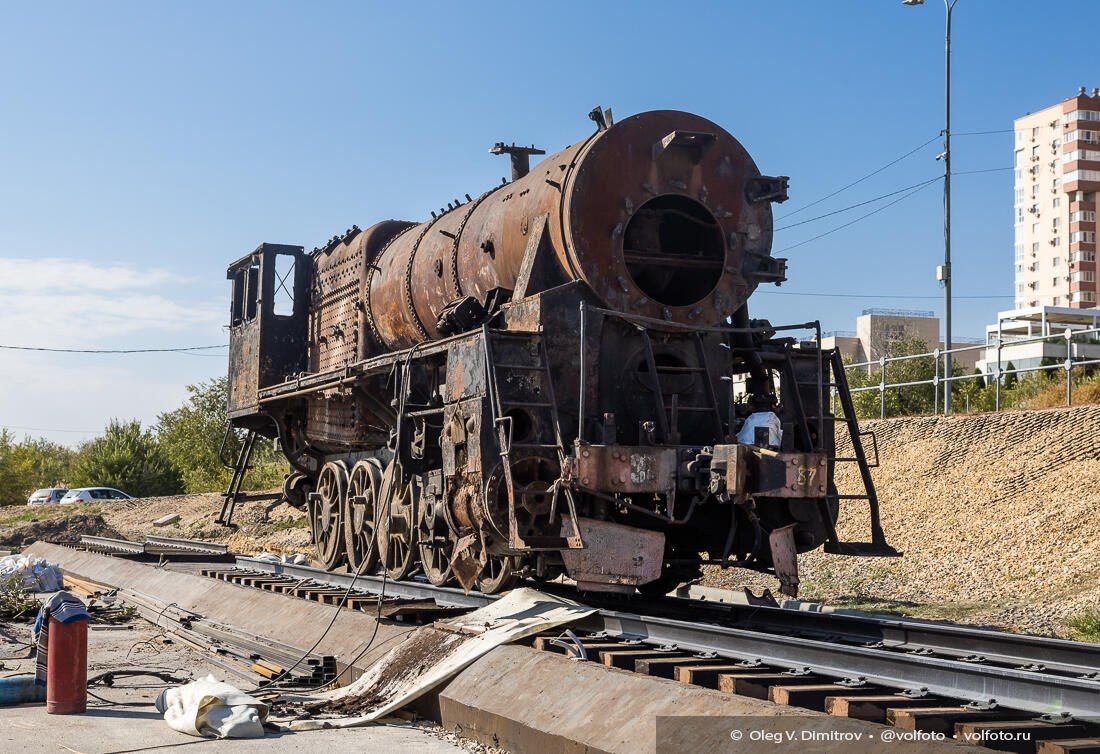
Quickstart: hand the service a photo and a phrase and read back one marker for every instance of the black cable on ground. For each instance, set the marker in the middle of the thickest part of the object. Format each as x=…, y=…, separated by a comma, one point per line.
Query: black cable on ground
x=336, y=614
x=113, y=703
x=370, y=642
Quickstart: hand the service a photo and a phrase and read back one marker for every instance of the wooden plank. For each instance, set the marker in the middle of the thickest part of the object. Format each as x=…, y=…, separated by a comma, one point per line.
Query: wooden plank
x=757, y=685
x=873, y=708
x=812, y=696
x=624, y=658
x=666, y=667
x=707, y=675
x=1070, y=746
x=1014, y=735
x=939, y=719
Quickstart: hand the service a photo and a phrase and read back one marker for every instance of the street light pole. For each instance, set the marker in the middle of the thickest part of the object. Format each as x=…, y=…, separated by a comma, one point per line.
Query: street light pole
x=944, y=272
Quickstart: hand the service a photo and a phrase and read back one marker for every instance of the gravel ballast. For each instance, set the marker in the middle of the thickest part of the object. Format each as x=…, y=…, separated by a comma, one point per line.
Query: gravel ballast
x=996, y=514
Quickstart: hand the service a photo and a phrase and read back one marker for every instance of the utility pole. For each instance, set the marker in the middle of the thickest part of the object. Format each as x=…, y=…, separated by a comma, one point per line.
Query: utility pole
x=943, y=273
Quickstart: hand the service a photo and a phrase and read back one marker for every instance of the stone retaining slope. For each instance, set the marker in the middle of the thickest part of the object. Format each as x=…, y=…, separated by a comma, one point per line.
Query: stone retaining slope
x=998, y=516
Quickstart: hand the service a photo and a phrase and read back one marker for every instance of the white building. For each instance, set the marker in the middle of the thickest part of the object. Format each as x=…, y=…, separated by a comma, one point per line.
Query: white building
x=1019, y=332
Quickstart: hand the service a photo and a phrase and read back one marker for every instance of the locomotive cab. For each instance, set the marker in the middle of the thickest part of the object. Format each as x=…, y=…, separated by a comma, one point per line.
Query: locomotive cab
x=268, y=313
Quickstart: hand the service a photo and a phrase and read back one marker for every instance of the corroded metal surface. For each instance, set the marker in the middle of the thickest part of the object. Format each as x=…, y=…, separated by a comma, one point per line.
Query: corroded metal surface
x=612, y=201
x=571, y=346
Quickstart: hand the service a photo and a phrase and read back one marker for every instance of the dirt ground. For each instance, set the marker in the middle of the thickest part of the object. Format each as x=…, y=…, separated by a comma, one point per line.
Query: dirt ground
x=259, y=526
x=996, y=514
x=124, y=720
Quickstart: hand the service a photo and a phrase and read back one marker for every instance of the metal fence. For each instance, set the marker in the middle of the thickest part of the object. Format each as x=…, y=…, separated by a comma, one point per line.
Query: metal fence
x=941, y=382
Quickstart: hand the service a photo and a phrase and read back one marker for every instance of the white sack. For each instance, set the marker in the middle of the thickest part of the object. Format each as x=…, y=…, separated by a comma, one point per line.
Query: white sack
x=212, y=709
x=767, y=420
x=34, y=574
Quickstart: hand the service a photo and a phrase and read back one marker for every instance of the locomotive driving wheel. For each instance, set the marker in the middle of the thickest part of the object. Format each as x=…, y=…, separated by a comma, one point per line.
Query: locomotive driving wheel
x=395, y=534
x=533, y=478
x=326, y=514
x=364, y=487
x=435, y=541
x=498, y=575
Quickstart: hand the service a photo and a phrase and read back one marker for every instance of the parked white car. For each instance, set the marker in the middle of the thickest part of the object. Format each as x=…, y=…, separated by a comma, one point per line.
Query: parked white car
x=47, y=496
x=93, y=494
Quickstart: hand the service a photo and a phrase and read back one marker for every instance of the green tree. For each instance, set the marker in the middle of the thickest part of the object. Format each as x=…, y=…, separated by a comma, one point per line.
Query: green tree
x=51, y=464
x=903, y=401
x=913, y=400
x=973, y=395
x=128, y=458
x=16, y=473
x=192, y=434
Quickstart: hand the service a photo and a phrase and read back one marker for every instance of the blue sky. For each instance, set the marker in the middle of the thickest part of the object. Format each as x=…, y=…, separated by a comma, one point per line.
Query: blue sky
x=143, y=146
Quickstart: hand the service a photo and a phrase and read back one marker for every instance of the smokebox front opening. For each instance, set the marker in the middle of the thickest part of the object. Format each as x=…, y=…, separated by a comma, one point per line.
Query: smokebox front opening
x=674, y=250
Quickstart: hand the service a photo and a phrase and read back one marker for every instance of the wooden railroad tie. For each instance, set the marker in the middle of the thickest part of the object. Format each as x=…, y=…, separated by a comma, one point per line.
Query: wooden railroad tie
x=873, y=709
x=985, y=733
x=758, y=685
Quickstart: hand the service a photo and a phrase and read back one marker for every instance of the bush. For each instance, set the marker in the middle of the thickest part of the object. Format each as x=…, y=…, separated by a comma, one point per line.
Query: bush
x=916, y=399
x=192, y=434
x=25, y=466
x=128, y=458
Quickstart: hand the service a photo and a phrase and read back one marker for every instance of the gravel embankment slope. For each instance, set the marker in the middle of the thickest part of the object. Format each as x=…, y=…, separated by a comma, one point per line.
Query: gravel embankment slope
x=281, y=530
x=998, y=516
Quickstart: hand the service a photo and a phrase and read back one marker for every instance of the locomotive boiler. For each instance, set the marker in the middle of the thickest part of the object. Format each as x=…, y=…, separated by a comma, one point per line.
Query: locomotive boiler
x=559, y=375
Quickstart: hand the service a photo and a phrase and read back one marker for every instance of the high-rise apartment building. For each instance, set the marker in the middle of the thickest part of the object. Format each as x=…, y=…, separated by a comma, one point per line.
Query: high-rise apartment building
x=1057, y=161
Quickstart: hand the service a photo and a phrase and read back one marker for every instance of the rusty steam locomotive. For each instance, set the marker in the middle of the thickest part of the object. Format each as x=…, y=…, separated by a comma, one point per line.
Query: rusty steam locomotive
x=559, y=375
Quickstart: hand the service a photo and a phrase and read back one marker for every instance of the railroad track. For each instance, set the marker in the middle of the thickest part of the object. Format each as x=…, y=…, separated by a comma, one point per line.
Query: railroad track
x=918, y=675
x=155, y=546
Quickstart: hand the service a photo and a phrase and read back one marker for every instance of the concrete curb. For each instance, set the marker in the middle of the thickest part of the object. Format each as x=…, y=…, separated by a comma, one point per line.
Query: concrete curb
x=526, y=700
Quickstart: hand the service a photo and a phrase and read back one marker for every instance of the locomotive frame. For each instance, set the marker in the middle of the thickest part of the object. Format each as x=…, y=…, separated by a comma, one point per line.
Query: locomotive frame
x=579, y=394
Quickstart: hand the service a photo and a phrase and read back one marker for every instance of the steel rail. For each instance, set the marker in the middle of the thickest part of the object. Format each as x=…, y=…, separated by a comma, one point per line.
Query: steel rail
x=446, y=596
x=908, y=634
x=157, y=544
x=899, y=653
x=1012, y=688
x=110, y=544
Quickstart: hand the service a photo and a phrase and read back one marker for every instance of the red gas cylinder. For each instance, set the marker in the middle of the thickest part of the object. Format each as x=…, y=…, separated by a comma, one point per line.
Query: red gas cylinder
x=67, y=668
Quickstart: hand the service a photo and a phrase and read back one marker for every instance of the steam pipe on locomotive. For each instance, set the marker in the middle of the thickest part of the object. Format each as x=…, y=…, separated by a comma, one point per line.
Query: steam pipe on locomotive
x=559, y=376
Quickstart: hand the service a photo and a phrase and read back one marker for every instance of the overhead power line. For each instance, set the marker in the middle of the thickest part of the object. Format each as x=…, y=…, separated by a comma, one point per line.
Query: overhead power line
x=112, y=350
x=986, y=170
x=50, y=429
x=894, y=162
x=860, y=204
x=875, y=172
x=903, y=197
x=877, y=295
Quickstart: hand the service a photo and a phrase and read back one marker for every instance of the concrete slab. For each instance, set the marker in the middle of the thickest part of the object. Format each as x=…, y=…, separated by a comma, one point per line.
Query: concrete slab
x=525, y=700
x=113, y=731
x=294, y=621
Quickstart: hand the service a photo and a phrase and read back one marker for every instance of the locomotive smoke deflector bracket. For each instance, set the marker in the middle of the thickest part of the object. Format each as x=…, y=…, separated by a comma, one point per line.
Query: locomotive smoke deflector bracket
x=764, y=268
x=767, y=188
x=692, y=143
